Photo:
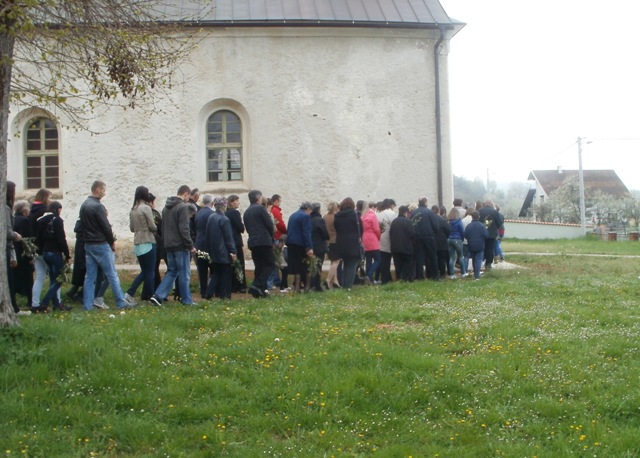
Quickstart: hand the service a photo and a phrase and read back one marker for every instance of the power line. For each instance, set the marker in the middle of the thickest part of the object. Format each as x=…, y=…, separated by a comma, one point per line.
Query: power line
x=565, y=149
x=614, y=139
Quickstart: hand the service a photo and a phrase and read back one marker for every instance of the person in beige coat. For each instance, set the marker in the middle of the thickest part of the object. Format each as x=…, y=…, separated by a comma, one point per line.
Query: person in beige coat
x=142, y=224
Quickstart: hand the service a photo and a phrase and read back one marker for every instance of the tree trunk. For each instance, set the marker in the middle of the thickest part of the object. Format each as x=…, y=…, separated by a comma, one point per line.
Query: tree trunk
x=7, y=315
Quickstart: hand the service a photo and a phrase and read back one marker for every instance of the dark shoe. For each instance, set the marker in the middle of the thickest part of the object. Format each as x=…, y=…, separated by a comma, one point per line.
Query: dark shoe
x=155, y=301
x=72, y=293
x=61, y=308
x=255, y=292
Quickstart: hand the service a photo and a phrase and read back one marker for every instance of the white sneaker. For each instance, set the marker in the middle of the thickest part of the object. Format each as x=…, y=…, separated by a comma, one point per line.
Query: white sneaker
x=24, y=313
x=285, y=290
x=128, y=298
x=452, y=277
x=98, y=302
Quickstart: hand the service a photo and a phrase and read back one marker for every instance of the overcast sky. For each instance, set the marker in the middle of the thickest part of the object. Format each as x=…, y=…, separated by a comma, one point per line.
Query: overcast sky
x=527, y=78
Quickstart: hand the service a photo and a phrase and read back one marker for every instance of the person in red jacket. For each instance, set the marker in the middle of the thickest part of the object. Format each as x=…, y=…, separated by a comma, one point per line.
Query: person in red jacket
x=281, y=229
x=276, y=211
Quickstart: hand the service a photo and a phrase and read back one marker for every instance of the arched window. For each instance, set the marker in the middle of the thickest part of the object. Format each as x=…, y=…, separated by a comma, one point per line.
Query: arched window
x=42, y=154
x=224, y=147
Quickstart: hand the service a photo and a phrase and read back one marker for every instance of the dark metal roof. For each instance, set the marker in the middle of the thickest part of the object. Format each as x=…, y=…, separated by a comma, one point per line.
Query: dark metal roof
x=527, y=203
x=390, y=13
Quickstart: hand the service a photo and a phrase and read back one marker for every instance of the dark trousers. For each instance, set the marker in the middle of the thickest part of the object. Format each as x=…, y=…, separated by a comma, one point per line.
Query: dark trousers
x=405, y=266
x=349, y=271
x=146, y=277
x=79, y=264
x=54, y=263
x=220, y=281
x=443, y=261
x=237, y=285
x=265, y=262
x=489, y=248
x=385, y=267
x=205, y=270
x=426, y=254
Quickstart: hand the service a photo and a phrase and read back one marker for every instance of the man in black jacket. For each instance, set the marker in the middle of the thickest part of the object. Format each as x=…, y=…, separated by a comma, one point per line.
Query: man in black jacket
x=260, y=228
x=99, y=247
x=426, y=224
x=403, y=236
x=492, y=220
x=237, y=227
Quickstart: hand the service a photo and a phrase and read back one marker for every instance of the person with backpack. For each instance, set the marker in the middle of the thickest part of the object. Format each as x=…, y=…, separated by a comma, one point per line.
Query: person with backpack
x=51, y=241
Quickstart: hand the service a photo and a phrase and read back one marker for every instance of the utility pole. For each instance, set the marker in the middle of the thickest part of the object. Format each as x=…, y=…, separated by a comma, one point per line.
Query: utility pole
x=583, y=217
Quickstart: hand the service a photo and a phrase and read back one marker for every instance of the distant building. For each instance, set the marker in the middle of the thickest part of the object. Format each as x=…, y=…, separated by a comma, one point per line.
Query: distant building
x=545, y=182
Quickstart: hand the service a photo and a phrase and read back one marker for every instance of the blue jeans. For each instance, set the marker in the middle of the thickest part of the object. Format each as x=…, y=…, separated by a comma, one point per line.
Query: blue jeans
x=101, y=255
x=372, y=261
x=54, y=263
x=455, y=250
x=477, y=258
x=178, y=267
x=147, y=275
x=498, y=249
x=41, y=268
x=273, y=280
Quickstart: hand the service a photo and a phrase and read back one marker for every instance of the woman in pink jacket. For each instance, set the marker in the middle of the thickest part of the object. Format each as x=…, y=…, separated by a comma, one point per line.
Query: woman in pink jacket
x=371, y=240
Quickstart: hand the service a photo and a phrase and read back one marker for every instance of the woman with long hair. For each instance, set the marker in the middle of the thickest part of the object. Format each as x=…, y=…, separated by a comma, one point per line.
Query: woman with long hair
x=38, y=208
x=332, y=277
x=142, y=224
x=348, y=240
x=52, y=242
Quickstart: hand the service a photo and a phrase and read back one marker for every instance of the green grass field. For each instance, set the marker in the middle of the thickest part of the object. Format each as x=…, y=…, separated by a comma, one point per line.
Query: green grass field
x=542, y=360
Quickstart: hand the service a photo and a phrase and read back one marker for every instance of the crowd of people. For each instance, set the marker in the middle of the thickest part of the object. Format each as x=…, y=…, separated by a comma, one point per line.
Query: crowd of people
x=360, y=239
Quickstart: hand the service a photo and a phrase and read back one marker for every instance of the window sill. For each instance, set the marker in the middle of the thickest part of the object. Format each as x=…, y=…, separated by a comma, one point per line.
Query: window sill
x=29, y=194
x=224, y=188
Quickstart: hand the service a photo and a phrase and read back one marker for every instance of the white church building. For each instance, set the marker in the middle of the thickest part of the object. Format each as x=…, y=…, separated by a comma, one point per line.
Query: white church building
x=310, y=99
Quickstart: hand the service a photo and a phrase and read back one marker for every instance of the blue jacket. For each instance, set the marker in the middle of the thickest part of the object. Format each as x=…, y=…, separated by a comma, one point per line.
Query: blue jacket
x=219, y=238
x=476, y=233
x=457, y=229
x=299, y=230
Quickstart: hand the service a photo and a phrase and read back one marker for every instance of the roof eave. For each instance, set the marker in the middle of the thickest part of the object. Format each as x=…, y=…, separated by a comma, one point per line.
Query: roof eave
x=319, y=23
